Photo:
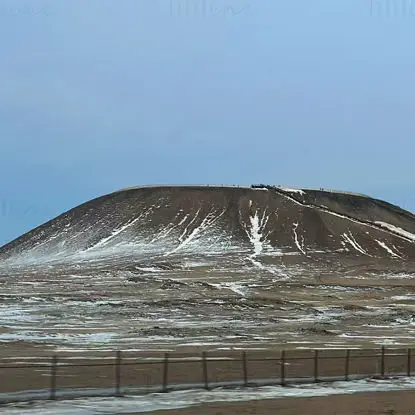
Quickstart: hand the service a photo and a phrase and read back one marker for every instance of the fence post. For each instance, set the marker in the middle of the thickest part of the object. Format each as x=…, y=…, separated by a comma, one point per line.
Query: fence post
x=147, y=381
x=409, y=363
x=282, y=361
x=53, y=369
x=316, y=365
x=245, y=367
x=205, y=372
x=118, y=373
x=347, y=364
x=382, y=362
x=165, y=372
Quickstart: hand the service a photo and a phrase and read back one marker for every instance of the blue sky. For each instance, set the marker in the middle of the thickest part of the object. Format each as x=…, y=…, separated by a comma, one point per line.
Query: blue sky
x=96, y=95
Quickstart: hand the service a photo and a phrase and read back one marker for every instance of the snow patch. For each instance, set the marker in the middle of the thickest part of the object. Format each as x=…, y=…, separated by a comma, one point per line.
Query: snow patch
x=116, y=232
x=233, y=286
x=291, y=190
x=397, y=230
x=185, y=238
x=384, y=246
x=188, y=398
x=299, y=246
x=255, y=234
x=352, y=241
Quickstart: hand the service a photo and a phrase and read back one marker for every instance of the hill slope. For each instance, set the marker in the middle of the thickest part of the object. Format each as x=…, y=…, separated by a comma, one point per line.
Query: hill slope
x=165, y=267
x=258, y=225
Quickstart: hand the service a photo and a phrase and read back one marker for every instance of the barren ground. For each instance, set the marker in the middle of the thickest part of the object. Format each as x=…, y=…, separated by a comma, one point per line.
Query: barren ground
x=191, y=270
x=179, y=310
x=377, y=403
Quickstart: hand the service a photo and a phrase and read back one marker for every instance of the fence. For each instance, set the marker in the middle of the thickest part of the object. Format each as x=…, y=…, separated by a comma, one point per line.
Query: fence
x=122, y=373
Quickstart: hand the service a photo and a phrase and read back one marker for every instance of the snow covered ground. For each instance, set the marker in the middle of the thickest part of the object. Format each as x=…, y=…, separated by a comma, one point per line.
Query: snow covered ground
x=278, y=305
x=183, y=399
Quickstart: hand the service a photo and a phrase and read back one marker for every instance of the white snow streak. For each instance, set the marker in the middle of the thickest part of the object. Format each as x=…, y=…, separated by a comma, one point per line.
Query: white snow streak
x=397, y=230
x=287, y=189
x=165, y=232
x=352, y=241
x=207, y=222
x=384, y=246
x=300, y=247
x=117, y=231
x=255, y=234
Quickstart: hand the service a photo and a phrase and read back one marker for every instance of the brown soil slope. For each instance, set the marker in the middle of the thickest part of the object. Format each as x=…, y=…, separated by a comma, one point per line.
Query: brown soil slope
x=250, y=223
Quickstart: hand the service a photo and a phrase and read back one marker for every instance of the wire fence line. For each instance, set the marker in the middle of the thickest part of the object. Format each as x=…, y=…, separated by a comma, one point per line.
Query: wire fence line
x=121, y=374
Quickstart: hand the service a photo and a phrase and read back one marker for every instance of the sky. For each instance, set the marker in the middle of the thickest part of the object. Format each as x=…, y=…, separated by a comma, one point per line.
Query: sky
x=98, y=95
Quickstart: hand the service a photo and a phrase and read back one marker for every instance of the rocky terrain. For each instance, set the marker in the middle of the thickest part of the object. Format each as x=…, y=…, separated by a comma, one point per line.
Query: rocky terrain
x=217, y=267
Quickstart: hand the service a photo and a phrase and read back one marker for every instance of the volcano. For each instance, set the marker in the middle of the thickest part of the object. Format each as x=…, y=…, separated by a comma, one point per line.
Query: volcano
x=178, y=266
x=261, y=226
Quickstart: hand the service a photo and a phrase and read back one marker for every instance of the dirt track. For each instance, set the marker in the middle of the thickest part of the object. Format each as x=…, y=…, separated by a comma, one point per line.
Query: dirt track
x=374, y=403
